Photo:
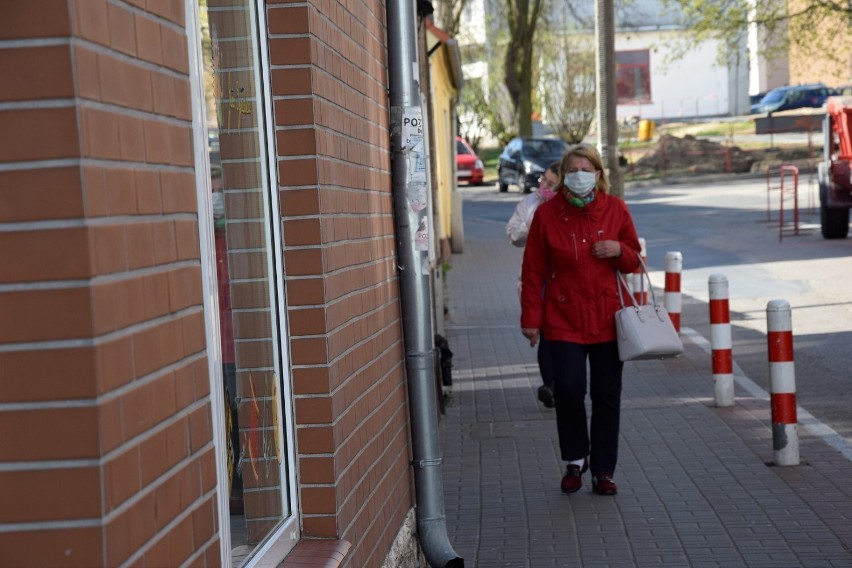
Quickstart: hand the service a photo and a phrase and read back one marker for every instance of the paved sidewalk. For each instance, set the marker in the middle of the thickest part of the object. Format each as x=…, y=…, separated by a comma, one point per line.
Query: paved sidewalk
x=697, y=487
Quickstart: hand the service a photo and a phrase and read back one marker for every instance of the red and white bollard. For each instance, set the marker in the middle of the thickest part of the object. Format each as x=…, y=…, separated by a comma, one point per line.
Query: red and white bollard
x=720, y=341
x=640, y=292
x=673, y=265
x=782, y=383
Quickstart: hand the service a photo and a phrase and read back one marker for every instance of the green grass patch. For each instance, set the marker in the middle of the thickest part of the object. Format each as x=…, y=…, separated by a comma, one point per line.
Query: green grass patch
x=489, y=161
x=716, y=128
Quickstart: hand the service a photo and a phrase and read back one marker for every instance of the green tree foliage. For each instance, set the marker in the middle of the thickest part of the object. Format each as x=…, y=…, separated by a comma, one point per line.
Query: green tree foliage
x=809, y=26
x=480, y=113
x=568, y=86
x=448, y=15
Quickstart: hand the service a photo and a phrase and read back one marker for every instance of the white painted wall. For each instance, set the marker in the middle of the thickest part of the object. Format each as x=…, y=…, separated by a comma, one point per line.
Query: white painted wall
x=765, y=74
x=691, y=86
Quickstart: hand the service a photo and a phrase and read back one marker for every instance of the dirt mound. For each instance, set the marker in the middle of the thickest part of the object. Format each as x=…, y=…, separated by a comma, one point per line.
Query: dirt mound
x=694, y=155
x=803, y=158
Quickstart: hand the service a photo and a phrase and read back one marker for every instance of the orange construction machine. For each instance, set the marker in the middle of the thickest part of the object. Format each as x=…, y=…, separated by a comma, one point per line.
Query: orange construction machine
x=835, y=183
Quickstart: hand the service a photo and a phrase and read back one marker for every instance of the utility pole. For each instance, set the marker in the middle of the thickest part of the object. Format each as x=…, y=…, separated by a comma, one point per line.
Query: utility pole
x=606, y=93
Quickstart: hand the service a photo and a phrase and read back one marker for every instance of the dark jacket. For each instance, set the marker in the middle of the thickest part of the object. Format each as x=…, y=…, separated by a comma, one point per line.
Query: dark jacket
x=580, y=295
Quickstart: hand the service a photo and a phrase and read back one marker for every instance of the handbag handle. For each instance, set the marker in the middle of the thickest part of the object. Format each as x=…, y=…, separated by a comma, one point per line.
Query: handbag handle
x=620, y=281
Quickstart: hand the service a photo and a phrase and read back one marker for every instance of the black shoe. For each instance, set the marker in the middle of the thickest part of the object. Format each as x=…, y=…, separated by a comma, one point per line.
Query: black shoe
x=545, y=395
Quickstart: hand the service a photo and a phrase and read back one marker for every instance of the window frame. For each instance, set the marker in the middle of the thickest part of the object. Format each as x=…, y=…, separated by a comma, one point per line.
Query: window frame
x=281, y=540
x=622, y=69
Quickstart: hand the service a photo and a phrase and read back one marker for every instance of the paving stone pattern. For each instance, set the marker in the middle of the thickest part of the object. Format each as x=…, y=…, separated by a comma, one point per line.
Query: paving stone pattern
x=697, y=487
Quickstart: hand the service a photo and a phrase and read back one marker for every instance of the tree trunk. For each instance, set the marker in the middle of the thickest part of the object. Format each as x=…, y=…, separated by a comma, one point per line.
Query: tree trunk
x=510, y=71
x=525, y=101
x=522, y=16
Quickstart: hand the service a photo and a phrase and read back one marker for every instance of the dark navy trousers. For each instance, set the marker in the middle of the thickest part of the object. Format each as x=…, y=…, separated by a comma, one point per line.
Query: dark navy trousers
x=576, y=439
x=545, y=362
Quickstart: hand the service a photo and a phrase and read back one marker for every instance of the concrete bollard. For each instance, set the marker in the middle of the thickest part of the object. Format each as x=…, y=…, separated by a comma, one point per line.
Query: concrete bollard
x=782, y=383
x=720, y=341
x=673, y=266
x=640, y=291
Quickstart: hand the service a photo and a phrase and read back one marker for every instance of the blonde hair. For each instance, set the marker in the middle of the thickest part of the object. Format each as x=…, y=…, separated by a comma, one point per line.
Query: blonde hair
x=590, y=153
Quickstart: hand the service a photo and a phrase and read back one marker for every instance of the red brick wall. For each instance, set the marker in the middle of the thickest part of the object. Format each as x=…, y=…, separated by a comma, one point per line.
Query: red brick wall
x=103, y=370
x=107, y=451
x=329, y=84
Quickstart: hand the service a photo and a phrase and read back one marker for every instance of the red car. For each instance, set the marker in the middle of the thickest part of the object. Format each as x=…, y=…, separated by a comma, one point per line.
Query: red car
x=469, y=167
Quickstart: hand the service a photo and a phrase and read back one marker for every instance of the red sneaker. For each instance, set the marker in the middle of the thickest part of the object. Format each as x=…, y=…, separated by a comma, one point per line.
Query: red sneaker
x=572, y=481
x=602, y=484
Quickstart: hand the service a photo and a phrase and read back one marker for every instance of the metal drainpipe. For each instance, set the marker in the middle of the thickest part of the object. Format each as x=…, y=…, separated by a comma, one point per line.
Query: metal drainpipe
x=413, y=229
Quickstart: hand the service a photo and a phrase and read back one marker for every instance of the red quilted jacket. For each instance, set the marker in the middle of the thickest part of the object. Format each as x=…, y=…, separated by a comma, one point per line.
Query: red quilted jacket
x=567, y=293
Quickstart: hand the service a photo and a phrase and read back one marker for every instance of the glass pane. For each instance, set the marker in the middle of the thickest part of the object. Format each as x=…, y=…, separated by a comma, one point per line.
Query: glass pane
x=631, y=57
x=625, y=88
x=643, y=80
x=246, y=280
x=543, y=148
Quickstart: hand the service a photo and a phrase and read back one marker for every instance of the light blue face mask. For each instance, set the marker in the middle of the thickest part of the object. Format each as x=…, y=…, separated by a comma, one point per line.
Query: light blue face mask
x=580, y=183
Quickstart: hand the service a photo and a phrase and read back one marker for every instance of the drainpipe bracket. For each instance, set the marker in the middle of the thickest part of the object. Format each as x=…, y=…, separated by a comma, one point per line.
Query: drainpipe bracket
x=426, y=463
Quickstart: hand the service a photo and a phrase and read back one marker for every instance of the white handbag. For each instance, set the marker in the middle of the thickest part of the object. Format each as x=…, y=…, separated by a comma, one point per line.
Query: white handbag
x=644, y=332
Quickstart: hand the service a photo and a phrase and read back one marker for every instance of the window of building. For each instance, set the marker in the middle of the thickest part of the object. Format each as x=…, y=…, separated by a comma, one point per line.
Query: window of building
x=256, y=425
x=633, y=76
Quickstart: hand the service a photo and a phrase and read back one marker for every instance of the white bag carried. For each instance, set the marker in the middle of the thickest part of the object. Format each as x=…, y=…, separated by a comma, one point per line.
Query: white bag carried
x=644, y=332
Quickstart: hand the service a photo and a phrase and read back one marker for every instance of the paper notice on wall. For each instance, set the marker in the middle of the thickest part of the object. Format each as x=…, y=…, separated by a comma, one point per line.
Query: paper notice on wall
x=412, y=145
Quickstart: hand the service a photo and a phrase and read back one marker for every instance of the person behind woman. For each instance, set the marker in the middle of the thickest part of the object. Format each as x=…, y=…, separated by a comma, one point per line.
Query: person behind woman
x=576, y=243
x=518, y=228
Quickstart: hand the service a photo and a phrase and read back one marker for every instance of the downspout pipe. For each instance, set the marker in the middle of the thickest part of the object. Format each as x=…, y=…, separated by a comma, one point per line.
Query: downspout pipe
x=413, y=229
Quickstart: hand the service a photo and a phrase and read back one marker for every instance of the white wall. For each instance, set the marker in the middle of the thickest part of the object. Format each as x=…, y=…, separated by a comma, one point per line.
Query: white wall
x=765, y=74
x=691, y=86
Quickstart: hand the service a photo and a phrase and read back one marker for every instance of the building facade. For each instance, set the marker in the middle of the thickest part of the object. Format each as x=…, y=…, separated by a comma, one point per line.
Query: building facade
x=201, y=351
x=655, y=76
x=828, y=59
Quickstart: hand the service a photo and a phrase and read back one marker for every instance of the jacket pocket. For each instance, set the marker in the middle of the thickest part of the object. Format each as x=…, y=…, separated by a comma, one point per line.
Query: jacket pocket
x=611, y=304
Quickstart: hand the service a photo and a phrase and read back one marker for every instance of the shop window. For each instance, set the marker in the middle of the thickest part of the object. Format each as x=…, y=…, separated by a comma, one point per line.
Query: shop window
x=259, y=475
x=633, y=76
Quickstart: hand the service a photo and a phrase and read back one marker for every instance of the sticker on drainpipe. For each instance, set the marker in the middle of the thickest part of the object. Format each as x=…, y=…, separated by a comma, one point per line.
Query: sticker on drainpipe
x=421, y=237
x=416, y=190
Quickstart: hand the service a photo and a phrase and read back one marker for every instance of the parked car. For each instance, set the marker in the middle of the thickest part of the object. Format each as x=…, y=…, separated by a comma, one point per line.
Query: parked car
x=524, y=160
x=788, y=98
x=754, y=99
x=469, y=167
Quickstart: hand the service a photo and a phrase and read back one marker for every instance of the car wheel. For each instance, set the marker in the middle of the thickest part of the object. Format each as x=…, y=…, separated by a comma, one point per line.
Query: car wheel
x=527, y=188
x=503, y=186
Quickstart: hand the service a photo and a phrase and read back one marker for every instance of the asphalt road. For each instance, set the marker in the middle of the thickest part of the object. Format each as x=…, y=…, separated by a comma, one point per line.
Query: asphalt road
x=731, y=228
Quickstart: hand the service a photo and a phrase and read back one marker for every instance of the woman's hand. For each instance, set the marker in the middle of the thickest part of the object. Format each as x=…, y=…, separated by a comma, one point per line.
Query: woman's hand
x=606, y=249
x=532, y=334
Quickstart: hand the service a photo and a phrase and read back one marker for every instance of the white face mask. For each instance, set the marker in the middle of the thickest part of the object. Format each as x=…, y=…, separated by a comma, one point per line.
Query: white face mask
x=580, y=183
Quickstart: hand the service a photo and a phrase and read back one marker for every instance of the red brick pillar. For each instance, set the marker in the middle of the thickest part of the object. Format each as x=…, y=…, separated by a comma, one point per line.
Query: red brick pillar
x=102, y=345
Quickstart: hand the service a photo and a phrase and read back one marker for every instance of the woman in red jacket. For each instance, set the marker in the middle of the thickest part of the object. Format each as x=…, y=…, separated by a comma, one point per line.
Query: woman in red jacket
x=576, y=243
